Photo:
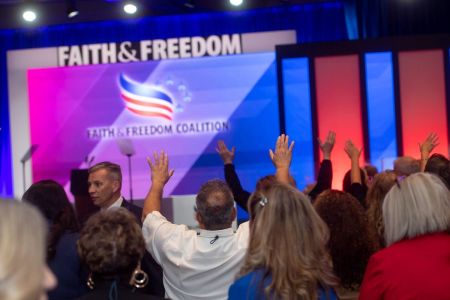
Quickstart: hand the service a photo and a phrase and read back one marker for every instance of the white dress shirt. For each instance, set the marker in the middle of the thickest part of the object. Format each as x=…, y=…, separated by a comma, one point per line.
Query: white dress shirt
x=116, y=204
x=196, y=264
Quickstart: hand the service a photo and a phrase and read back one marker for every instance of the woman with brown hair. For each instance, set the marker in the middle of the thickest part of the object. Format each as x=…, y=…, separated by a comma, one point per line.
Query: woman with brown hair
x=51, y=200
x=111, y=245
x=381, y=185
x=286, y=258
x=349, y=245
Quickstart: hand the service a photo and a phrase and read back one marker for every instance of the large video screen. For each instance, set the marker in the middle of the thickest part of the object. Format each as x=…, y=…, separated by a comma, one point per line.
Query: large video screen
x=180, y=106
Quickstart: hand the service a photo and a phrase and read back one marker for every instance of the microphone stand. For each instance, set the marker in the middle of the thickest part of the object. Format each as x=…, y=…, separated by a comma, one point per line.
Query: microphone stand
x=129, y=177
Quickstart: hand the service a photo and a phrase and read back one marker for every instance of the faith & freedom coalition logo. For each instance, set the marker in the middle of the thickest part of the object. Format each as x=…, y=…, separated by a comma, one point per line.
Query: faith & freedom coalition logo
x=146, y=100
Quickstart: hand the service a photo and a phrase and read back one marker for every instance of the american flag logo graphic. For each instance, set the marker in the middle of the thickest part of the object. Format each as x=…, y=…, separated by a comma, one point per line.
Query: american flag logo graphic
x=145, y=100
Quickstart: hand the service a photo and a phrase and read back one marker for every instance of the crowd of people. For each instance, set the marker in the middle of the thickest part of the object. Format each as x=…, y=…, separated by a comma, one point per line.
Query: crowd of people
x=384, y=236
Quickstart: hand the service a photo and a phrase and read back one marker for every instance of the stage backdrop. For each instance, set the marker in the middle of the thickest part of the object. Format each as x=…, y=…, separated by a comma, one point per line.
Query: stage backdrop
x=385, y=95
x=96, y=110
x=311, y=22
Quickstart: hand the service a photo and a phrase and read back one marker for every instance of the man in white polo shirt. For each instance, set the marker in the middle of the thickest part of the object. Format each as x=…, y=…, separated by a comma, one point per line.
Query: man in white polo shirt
x=197, y=264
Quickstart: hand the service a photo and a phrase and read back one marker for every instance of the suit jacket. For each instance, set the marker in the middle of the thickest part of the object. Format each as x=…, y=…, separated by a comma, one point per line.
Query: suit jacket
x=134, y=209
x=417, y=268
x=148, y=264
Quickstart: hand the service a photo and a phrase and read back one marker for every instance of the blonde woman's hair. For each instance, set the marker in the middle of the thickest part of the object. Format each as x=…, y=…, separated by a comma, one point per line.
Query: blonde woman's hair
x=288, y=241
x=418, y=205
x=22, y=251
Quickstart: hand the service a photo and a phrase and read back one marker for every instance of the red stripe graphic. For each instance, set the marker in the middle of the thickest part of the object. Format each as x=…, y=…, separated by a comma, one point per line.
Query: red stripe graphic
x=150, y=114
x=146, y=104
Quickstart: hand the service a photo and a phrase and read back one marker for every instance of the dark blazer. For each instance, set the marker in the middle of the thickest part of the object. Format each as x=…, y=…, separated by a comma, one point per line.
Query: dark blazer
x=148, y=264
x=68, y=270
x=134, y=209
x=124, y=292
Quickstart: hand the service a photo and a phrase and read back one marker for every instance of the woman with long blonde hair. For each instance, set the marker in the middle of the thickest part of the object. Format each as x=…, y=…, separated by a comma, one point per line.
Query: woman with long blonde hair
x=287, y=256
x=24, y=274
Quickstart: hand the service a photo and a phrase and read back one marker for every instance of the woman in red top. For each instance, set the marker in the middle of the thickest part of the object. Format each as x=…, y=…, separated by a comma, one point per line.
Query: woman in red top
x=416, y=262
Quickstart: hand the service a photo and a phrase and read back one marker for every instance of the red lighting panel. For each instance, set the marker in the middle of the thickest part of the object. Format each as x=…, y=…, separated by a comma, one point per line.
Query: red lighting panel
x=422, y=99
x=339, y=107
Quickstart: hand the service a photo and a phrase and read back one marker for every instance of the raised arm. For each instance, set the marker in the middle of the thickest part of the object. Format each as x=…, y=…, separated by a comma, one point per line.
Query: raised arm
x=425, y=149
x=327, y=146
x=225, y=154
x=353, y=153
x=160, y=175
x=325, y=175
x=282, y=157
x=240, y=195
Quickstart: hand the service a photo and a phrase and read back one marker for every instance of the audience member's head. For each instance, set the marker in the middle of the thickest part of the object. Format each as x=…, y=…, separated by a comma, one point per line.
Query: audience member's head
x=406, y=165
x=288, y=240
x=111, y=245
x=51, y=200
x=349, y=245
x=24, y=274
x=418, y=205
x=371, y=171
x=215, y=205
x=439, y=165
x=381, y=185
x=347, y=181
x=105, y=183
x=265, y=183
x=255, y=204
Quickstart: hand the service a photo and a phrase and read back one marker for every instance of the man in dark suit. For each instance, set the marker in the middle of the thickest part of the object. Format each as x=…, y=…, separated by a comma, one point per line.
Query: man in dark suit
x=105, y=184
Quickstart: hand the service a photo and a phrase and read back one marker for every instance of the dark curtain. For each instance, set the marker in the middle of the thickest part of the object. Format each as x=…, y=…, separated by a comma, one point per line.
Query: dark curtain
x=383, y=18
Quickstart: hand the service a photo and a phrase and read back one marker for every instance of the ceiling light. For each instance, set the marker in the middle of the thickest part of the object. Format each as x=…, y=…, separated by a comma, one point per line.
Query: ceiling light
x=72, y=10
x=29, y=15
x=236, y=2
x=130, y=8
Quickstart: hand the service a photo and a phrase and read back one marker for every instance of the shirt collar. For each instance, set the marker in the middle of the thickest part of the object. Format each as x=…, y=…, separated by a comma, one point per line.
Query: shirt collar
x=215, y=233
x=117, y=203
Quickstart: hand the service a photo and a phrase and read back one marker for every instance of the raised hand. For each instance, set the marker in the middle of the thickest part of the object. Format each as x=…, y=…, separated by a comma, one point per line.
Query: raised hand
x=226, y=155
x=160, y=173
x=354, y=154
x=327, y=146
x=351, y=150
x=282, y=156
x=426, y=147
x=428, y=144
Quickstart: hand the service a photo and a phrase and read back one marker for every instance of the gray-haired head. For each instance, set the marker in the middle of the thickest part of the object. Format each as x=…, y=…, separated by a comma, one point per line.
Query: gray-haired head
x=215, y=205
x=418, y=205
x=114, y=170
x=406, y=165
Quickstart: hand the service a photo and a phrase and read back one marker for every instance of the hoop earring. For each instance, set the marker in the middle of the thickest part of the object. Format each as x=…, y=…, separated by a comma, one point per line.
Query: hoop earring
x=90, y=282
x=139, y=279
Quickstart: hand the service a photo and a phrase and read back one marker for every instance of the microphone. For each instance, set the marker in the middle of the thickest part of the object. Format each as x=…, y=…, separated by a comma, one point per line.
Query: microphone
x=90, y=161
x=214, y=239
